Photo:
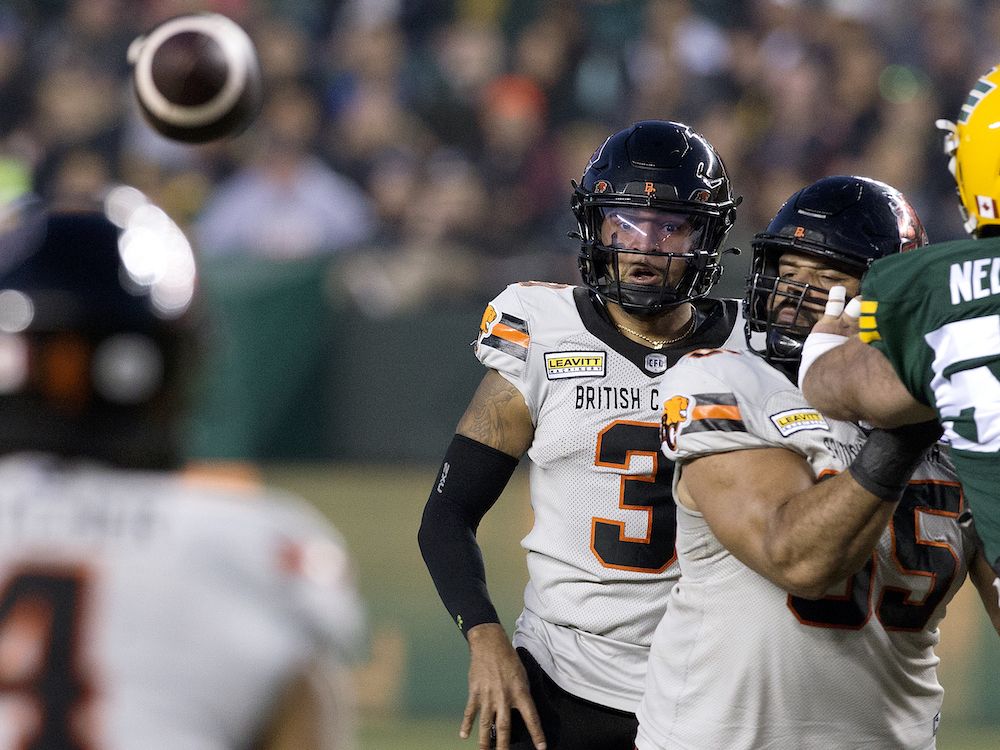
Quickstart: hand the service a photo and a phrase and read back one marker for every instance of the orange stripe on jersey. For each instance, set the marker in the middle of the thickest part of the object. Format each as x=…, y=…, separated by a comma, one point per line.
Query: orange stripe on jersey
x=503, y=331
x=715, y=411
x=225, y=475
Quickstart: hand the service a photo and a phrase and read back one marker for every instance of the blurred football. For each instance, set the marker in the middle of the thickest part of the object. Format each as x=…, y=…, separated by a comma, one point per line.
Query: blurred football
x=197, y=77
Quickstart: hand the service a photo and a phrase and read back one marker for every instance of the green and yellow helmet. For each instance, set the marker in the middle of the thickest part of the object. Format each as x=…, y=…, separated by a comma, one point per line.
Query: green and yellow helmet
x=973, y=145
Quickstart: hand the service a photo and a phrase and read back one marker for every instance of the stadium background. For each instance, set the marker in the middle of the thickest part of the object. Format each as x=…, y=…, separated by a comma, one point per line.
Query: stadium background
x=441, y=136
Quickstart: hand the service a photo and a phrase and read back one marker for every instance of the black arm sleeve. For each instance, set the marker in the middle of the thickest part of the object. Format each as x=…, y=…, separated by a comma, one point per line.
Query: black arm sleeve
x=471, y=479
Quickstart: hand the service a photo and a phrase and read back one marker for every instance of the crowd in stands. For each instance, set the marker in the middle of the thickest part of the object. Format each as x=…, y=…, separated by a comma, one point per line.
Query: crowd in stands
x=430, y=144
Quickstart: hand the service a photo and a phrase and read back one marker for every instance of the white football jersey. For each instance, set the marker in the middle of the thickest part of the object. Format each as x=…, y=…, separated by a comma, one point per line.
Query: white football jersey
x=736, y=662
x=141, y=610
x=601, y=554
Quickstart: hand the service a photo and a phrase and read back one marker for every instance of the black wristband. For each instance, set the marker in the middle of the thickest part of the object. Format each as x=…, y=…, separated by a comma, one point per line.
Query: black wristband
x=472, y=477
x=889, y=457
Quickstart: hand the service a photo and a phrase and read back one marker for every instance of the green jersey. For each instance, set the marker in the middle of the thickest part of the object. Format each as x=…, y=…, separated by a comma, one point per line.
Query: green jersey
x=935, y=314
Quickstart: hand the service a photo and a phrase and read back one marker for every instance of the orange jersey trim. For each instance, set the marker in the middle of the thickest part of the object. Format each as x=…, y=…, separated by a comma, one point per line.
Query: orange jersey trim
x=715, y=411
x=503, y=331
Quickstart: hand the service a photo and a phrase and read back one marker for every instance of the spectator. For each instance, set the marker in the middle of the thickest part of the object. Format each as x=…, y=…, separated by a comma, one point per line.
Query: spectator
x=285, y=202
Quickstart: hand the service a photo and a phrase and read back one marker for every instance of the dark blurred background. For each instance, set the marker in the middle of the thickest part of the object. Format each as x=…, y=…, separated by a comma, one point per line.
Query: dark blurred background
x=413, y=157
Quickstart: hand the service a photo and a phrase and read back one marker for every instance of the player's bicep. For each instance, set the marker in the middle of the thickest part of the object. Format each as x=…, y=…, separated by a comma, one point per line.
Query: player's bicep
x=498, y=416
x=737, y=493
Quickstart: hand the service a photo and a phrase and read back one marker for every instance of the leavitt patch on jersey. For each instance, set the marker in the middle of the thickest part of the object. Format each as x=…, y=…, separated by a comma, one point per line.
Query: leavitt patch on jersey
x=677, y=411
x=560, y=365
x=795, y=420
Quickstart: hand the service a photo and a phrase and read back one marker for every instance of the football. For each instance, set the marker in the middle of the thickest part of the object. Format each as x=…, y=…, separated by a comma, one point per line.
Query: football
x=197, y=77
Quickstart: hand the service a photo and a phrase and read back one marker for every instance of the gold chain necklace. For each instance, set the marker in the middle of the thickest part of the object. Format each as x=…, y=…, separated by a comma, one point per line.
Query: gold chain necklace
x=656, y=343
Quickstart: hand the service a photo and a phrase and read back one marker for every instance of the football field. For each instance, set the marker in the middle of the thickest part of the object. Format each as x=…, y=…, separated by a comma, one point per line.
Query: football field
x=442, y=734
x=412, y=690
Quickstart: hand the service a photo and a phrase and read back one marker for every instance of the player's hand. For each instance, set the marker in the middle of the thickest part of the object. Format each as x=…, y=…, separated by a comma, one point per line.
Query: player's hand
x=498, y=683
x=838, y=318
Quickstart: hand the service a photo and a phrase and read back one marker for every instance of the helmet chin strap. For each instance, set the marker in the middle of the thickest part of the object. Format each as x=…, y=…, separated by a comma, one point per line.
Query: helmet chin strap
x=642, y=303
x=783, y=353
x=782, y=345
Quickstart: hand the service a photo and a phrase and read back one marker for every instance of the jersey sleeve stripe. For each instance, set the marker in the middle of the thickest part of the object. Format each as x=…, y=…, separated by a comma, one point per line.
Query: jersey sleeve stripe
x=716, y=412
x=868, y=329
x=510, y=336
x=503, y=331
x=716, y=425
x=867, y=324
x=507, y=347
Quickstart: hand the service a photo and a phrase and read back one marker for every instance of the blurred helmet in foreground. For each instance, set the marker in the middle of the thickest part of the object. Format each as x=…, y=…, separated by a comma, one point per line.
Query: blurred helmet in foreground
x=95, y=331
x=197, y=77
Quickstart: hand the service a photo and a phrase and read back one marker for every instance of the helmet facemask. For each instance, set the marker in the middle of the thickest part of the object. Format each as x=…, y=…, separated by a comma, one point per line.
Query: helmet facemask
x=648, y=255
x=782, y=309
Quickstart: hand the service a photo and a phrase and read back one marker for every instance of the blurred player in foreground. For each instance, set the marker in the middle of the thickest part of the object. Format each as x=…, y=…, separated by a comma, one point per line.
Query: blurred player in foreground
x=572, y=382
x=140, y=607
x=933, y=324
x=807, y=611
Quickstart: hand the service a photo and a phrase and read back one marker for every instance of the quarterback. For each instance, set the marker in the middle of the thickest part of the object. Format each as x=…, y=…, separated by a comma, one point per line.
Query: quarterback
x=929, y=339
x=572, y=381
x=816, y=561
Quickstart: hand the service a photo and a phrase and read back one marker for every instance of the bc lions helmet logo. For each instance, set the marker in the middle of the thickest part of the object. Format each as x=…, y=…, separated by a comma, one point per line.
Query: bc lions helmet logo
x=676, y=415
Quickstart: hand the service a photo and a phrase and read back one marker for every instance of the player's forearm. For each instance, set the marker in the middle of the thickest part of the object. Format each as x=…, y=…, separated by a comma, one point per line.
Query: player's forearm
x=455, y=564
x=987, y=585
x=855, y=382
x=828, y=385
x=471, y=479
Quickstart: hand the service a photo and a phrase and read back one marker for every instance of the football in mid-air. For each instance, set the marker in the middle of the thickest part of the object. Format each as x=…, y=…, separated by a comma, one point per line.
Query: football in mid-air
x=197, y=77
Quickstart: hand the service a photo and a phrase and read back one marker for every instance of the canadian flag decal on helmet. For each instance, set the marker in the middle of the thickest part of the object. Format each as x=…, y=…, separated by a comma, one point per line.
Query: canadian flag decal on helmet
x=987, y=206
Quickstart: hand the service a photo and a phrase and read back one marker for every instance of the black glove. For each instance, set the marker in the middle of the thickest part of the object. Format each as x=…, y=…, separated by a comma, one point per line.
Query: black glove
x=889, y=457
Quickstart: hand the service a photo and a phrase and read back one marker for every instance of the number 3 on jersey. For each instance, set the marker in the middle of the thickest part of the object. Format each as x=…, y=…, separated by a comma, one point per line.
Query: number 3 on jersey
x=617, y=445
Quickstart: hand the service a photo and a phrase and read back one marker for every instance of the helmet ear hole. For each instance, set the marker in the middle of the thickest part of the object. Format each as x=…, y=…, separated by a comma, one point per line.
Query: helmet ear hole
x=127, y=368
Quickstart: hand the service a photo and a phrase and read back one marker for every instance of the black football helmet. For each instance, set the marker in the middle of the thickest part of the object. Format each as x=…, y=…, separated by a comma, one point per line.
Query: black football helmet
x=95, y=332
x=654, y=167
x=847, y=222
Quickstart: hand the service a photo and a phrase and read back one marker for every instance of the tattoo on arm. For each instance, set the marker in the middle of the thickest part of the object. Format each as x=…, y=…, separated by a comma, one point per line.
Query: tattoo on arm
x=498, y=417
